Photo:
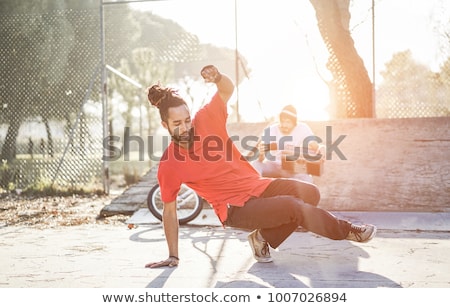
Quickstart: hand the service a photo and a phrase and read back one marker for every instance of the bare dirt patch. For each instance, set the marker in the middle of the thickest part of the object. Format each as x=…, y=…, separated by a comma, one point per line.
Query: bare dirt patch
x=45, y=212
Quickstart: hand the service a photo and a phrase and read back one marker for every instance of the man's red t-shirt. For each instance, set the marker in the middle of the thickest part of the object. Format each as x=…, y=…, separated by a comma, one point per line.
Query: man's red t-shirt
x=213, y=166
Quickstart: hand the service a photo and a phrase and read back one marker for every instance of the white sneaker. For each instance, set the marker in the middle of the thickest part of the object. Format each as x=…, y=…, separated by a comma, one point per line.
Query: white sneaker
x=261, y=250
x=362, y=234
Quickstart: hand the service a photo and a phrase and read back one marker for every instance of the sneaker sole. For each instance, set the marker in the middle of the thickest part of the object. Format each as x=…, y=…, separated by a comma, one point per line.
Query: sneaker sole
x=259, y=259
x=372, y=235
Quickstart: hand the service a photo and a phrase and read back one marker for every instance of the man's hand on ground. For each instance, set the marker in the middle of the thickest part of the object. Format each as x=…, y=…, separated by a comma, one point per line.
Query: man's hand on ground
x=170, y=262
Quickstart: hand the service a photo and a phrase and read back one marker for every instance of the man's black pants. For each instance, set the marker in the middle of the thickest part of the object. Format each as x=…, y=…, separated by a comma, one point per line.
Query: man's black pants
x=283, y=206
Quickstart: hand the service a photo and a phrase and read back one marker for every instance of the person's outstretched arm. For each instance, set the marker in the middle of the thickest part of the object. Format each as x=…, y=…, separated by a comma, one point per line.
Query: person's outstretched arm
x=225, y=86
x=170, y=223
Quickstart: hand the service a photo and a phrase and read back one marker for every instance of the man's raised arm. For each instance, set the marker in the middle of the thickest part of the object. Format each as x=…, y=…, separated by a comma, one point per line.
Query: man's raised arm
x=225, y=86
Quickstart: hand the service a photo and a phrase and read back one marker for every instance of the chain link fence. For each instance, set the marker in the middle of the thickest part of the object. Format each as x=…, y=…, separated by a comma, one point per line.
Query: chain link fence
x=411, y=90
x=50, y=119
x=51, y=128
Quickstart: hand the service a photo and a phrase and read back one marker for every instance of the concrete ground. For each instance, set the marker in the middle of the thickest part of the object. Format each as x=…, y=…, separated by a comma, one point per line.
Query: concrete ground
x=411, y=250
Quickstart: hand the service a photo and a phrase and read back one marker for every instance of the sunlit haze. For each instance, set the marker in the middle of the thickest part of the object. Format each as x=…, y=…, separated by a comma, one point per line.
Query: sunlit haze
x=284, y=49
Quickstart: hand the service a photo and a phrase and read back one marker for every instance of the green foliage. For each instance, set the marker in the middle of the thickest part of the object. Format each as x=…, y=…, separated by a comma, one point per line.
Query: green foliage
x=51, y=53
x=24, y=177
x=45, y=61
x=411, y=89
x=7, y=176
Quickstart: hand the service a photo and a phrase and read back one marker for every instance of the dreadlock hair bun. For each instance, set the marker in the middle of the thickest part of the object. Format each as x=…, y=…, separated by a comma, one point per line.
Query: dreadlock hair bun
x=164, y=98
x=156, y=94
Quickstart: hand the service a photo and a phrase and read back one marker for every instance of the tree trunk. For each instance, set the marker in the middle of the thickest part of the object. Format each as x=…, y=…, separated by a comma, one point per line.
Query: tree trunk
x=351, y=88
x=10, y=146
x=49, y=138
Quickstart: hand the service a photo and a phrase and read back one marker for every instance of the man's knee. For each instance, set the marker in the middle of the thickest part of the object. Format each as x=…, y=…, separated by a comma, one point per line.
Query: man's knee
x=315, y=194
x=308, y=192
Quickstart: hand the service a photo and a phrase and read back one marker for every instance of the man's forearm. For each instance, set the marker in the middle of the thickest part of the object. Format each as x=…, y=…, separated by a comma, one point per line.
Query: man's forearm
x=170, y=223
x=225, y=87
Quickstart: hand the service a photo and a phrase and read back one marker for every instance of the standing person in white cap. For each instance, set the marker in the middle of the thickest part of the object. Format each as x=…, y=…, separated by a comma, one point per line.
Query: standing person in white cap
x=288, y=138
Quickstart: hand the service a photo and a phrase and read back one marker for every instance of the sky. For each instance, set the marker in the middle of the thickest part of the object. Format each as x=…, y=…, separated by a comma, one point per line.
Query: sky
x=285, y=51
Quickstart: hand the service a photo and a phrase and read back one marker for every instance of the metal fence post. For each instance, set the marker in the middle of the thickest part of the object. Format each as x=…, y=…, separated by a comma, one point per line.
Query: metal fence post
x=104, y=98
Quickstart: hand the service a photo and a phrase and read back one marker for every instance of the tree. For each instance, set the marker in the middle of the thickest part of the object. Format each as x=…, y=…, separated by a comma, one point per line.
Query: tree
x=410, y=89
x=34, y=75
x=160, y=50
x=444, y=82
x=142, y=67
x=51, y=53
x=350, y=88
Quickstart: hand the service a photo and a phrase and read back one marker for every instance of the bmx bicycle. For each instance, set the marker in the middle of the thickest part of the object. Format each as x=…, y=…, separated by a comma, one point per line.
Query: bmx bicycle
x=189, y=204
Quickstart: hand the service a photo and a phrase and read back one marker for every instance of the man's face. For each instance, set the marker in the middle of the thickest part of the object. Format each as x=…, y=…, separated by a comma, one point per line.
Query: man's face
x=179, y=125
x=286, y=125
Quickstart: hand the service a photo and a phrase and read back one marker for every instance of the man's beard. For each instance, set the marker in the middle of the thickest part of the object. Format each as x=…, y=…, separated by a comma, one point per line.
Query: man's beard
x=185, y=139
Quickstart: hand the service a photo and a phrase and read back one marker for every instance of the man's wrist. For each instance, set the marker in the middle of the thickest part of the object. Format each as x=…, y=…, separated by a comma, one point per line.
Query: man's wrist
x=218, y=77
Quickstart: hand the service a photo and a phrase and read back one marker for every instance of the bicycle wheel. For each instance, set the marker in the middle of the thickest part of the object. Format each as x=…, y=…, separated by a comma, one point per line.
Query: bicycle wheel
x=189, y=204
